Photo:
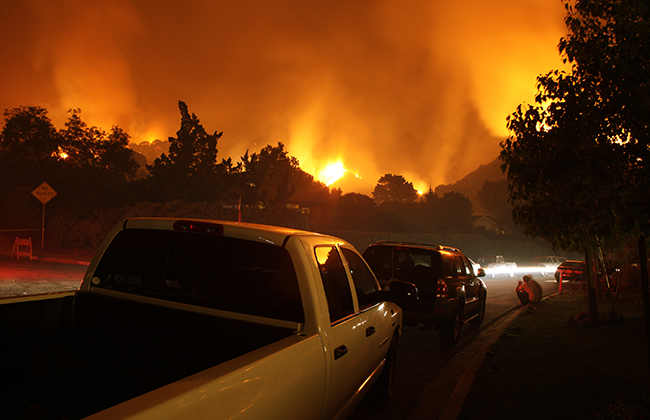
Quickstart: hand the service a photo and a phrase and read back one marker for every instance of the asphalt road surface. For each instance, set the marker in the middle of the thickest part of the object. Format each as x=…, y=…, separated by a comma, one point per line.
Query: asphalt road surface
x=25, y=277
x=427, y=373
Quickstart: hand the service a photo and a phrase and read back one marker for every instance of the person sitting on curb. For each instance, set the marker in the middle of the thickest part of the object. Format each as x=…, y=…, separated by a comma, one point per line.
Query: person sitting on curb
x=529, y=290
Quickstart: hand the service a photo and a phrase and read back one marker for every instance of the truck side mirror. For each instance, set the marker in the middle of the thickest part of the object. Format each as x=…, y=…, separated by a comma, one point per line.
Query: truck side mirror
x=481, y=273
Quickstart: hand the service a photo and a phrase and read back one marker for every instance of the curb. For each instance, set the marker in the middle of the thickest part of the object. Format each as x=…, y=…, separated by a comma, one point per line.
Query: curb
x=62, y=261
x=452, y=409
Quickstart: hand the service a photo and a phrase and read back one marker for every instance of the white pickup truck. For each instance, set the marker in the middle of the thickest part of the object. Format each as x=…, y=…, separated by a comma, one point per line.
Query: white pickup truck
x=195, y=319
x=496, y=264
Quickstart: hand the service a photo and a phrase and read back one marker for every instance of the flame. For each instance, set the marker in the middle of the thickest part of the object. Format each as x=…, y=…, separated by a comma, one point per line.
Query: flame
x=332, y=172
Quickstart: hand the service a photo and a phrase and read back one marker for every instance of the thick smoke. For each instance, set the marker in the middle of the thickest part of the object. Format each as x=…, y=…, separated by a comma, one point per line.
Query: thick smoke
x=417, y=88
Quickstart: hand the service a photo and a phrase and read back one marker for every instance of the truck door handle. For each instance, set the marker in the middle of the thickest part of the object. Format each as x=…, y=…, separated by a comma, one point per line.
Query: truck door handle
x=340, y=351
x=370, y=331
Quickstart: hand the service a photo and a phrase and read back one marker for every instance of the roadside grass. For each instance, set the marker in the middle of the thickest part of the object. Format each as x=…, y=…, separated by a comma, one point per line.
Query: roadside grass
x=551, y=362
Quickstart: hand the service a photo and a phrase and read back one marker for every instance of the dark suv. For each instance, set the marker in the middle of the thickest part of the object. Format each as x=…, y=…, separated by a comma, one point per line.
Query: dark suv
x=448, y=292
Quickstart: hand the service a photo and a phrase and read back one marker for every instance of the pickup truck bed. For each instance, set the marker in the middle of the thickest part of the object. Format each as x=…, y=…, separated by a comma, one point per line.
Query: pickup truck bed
x=93, y=361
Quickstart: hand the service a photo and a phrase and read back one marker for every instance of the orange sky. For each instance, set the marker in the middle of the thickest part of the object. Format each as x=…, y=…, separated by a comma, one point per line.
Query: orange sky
x=417, y=87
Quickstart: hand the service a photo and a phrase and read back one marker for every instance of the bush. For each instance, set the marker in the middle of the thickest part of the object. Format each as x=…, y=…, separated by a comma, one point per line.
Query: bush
x=70, y=234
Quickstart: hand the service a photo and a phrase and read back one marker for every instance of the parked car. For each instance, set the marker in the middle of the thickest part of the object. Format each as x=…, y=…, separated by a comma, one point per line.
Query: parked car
x=547, y=264
x=496, y=264
x=571, y=271
x=448, y=292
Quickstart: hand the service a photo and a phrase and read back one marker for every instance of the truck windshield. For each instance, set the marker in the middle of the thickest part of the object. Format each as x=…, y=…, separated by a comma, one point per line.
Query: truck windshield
x=205, y=270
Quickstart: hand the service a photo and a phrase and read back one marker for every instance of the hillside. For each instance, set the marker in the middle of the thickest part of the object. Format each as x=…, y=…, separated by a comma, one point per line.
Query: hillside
x=472, y=182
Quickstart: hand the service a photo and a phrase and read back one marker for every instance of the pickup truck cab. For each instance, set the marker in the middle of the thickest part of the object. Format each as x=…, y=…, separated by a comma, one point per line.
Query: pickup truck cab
x=496, y=264
x=546, y=265
x=447, y=292
x=204, y=319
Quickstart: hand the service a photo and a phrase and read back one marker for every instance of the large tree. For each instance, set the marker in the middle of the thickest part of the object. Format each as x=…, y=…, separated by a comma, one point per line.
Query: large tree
x=451, y=212
x=576, y=159
x=190, y=169
x=272, y=176
x=29, y=146
x=354, y=211
x=394, y=189
x=86, y=166
x=104, y=156
x=493, y=197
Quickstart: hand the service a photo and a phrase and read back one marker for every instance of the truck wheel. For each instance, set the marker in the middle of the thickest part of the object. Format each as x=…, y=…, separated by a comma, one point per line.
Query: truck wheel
x=449, y=332
x=478, y=319
x=382, y=390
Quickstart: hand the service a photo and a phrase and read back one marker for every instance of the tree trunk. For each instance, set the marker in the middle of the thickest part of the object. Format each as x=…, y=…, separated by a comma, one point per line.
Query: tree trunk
x=643, y=266
x=591, y=289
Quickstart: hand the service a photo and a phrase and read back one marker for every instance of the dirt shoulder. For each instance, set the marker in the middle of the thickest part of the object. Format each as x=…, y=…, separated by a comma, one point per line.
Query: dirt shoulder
x=552, y=362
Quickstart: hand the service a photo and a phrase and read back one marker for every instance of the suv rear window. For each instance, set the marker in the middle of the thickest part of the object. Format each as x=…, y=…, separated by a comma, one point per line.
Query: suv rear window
x=205, y=270
x=406, y=264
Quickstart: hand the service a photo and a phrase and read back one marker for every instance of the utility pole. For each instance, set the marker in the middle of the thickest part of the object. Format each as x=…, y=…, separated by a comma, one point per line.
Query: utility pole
x=591, y=285
x=643, y=266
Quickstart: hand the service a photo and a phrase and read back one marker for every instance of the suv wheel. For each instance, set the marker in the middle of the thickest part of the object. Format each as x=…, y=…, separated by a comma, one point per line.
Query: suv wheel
x=449, y=332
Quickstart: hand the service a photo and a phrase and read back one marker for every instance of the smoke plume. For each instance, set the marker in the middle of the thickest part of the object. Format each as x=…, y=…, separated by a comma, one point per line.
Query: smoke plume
x=418, y=88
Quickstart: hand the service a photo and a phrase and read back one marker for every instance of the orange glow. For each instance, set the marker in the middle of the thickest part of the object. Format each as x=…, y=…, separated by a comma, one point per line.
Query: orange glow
x=60, y=154
x=331, y=173
x=392, y=95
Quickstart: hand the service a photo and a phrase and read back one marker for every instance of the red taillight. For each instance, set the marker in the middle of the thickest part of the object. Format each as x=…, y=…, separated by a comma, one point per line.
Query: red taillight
x=200, y=227
x=442, y=291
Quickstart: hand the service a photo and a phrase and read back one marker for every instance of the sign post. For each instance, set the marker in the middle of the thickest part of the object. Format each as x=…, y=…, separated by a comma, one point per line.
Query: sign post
x=43, y=193
x=233, y=207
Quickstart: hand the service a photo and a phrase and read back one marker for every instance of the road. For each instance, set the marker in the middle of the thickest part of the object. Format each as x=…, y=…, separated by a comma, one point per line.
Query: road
x=427, y=373
x=25, y=277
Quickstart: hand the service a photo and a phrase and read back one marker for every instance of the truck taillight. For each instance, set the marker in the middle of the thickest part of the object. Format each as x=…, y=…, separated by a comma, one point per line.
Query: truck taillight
x=201, y=227
x=442, y=291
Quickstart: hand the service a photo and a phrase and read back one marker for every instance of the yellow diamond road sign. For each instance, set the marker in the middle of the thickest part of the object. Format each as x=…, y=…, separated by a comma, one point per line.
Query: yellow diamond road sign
x=44, y=193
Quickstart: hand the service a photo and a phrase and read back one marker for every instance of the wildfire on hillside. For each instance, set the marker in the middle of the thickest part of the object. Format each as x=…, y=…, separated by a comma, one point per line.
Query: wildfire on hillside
x=416, y=88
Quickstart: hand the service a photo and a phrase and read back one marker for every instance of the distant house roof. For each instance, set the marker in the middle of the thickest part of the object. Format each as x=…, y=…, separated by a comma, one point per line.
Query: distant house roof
x=484, y=221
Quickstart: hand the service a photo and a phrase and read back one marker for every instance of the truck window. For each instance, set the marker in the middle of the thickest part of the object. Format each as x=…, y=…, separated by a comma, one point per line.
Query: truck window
x=463, y=268
x=335, y=283
x=364, y=281
x=448, y=266
x=205, y=270
x=469, y=270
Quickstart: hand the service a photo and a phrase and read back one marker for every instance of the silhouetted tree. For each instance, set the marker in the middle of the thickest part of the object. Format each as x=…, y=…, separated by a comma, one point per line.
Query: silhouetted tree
x=395, y=189
x=451, y=212
x=272, y=175
x=354, y=211
x=576, y=160
x=190, y=169
x=86, y=166
x=29, y=146
x=493, y=197
x=104, y=156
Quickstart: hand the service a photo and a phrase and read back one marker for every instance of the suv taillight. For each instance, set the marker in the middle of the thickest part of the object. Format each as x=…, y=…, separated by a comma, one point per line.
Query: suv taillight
x=442, y=291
